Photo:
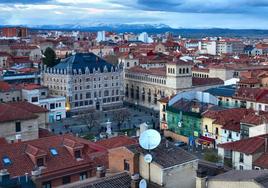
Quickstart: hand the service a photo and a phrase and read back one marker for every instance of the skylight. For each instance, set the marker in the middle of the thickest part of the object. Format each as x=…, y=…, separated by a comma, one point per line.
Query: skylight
x=6, y=160
x=53, y=152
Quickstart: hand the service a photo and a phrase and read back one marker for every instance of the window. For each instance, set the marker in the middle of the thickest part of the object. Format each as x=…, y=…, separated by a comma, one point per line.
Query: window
x=43, y=93
x=6, y=160
x=18, y=127
x=77, y=154
x=40, y=162
x=241, y=167
x=66, y=179
x=241, y=158
x=126, y=165
x=83, y=176
x=52, y=106
x=88, y=95
x=34, y=99
x=46, y=184
x=217, y=131
x=53, y=151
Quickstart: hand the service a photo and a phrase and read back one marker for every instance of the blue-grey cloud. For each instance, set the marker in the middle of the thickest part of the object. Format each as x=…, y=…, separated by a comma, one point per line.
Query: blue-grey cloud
x=199, y=6
x=176, y=13
x=23, y=1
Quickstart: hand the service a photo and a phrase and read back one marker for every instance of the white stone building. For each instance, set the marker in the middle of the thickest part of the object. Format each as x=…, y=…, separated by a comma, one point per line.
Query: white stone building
x=87, y=81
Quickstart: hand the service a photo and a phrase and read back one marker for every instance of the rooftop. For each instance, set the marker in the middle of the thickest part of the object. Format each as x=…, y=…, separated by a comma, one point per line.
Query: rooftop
x=92, y=154
x=259, y=176
x=83, y=61
x=224, y=91
x=166, y=156
x=117, y=141
x=247, y=146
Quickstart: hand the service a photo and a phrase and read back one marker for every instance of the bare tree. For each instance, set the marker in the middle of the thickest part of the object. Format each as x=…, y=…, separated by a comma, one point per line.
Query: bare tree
x=90, y=118
x=120, y=116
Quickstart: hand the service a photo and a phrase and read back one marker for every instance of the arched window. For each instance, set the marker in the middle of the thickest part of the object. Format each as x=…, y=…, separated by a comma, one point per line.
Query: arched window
x=106, y=93
x=180, y=71
x=187, y=70
x=183, y=71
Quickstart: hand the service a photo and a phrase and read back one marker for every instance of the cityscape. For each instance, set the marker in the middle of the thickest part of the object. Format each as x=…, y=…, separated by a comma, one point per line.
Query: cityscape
x=133, y=94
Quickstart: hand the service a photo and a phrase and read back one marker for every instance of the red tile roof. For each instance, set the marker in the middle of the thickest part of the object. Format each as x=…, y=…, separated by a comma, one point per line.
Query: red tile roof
x=255, y=119
x=228, y=118
x=249, y=81
x=31, y=86
x=206, y=81
x=252, y=94
x=5, y=87
x=117, y=141
x=44, y=133
x=247, y=146
x=28, y=106
x=262, y=161
x=11, y=113
x=152, y=71
x=64, y=162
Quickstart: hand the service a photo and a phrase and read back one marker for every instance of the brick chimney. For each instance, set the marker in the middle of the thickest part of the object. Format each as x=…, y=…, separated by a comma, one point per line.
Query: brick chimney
x=100, y=172
x=135, y=181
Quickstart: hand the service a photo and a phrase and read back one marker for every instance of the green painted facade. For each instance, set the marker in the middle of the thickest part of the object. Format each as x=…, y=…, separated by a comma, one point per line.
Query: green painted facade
x=191, y=122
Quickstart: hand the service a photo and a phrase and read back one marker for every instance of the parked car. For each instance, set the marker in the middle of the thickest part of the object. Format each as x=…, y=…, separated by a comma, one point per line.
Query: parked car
x=180, y=144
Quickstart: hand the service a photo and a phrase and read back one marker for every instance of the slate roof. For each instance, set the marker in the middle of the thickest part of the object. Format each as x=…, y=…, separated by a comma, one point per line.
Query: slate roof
x=259, y=176
x=224, y=91
x=166, y=156
x=82, y=61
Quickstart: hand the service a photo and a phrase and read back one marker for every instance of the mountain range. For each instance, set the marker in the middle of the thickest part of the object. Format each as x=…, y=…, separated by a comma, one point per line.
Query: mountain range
x=155, y=29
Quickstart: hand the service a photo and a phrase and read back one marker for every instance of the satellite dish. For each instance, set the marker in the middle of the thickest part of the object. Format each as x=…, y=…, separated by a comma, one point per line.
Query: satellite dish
x=148, y=158
x=149, y=139
x=143, y=184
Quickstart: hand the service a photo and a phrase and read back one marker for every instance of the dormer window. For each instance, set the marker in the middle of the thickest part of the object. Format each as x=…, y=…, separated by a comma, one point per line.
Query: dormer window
x=53, y=151
x=77, y=154
x=40, y=162
x=6, y=161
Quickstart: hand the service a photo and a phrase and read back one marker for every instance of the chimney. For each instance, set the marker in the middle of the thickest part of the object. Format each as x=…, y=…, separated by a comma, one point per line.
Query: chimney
x=201, y=178
x=166, y=143
x=100, y=172
x=135, y=181
x=4, y=176
x=18, y=137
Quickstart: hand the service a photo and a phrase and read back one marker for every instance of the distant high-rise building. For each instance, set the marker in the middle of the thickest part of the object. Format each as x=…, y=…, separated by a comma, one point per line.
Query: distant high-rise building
x=101, y=36
x=14, y=32
x=145, y=38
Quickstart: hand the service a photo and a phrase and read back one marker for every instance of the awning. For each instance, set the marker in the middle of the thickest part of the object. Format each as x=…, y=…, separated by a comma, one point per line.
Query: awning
x=205, y=140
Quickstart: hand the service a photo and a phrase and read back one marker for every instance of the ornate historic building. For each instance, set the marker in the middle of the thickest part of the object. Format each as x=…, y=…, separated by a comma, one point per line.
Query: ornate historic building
x=145, y=86
x=87, y=82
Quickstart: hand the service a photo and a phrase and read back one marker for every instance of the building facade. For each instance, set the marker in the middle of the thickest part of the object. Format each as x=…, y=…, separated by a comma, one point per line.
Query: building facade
x=87, y=82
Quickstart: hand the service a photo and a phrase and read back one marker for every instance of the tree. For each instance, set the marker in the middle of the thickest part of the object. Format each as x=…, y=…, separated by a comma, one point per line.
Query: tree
x=50, y=57
x=120, y=116
x=90, y=118
x=212, y=157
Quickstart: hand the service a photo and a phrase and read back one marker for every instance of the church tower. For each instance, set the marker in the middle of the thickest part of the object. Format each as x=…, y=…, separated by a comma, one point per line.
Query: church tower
x=179, y=74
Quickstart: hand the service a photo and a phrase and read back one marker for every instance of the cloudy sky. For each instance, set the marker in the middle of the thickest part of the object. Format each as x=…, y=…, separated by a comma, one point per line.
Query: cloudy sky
x=175, y=13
